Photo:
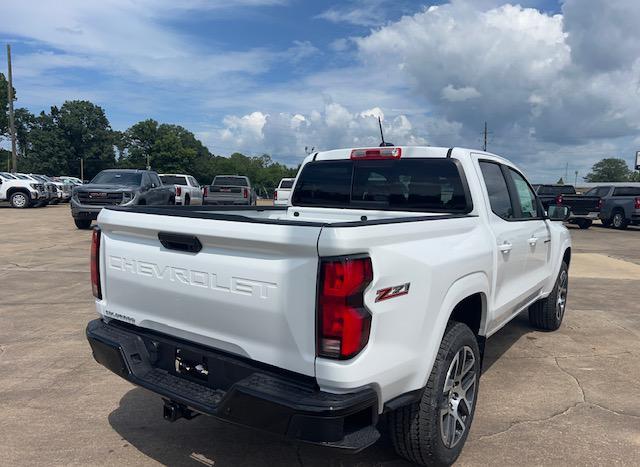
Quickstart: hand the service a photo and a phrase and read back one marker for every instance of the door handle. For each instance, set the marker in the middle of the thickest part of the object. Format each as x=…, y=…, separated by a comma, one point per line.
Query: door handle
x=533, y=241
x=505, y=247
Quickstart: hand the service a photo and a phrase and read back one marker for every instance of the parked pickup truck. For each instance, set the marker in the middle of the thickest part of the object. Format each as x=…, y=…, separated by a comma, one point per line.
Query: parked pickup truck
x=583, y=209
x=19, y=192
x=125, y=187
x=372, y=293
x=283, y=192
x=620, y=205
x=187, y=188
x=230, y=189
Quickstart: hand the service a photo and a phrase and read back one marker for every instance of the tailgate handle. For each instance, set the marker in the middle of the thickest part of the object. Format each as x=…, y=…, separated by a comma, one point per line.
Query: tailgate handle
x=180, y=242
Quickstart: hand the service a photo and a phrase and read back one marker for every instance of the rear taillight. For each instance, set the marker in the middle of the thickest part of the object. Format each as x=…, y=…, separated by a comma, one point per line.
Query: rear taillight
x=245, y=192
x=206, y=191
x=559, y=199
x=636, y=203
x=275, y=195
x=376, y=153
x=95, y=263
x=343, y=320
x=178, y=191
x=599, y=204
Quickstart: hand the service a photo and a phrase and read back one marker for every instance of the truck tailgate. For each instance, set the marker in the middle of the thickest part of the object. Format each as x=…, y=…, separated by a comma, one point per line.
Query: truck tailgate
x=249, y=291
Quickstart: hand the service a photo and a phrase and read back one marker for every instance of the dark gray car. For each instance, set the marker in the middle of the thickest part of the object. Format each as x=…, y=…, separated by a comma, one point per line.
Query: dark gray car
x=620, y=204
x=125, y=187
x=230, y=189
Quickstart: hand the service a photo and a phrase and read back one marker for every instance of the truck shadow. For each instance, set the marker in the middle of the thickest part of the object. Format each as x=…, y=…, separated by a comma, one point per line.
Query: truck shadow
x=207, y=441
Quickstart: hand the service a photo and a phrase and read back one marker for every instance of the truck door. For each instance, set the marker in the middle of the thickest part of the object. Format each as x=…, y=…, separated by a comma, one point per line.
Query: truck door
x=538, y=262
x=511, y=235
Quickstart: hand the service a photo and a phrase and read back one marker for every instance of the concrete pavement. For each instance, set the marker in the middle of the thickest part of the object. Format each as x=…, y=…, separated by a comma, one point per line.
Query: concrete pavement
x=565, y=398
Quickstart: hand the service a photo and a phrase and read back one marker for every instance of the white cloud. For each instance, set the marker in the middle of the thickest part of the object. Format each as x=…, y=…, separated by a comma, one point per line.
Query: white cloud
x=453, y=94
x=285, y=135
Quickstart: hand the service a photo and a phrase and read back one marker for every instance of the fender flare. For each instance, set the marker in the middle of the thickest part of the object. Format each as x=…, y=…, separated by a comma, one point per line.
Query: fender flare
x=566, y=244
x=471, y=284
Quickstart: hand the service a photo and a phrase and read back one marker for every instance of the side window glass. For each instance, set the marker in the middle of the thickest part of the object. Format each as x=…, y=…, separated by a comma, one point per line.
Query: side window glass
x=528, y=204
x=497, y=189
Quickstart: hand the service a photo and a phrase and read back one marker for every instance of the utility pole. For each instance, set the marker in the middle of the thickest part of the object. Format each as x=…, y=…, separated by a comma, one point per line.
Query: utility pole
x=12, y=125
x=566, y=171
x=575, y=180
x=148, y=162
x=82, y=169
x=484, y=146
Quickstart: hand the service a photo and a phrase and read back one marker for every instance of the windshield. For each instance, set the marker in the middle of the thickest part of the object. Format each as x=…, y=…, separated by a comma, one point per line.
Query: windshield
x=8, y=176
x=432, y=185
x=22, y=177
x=173, y=179
x=230, y=181
x=118, y=178
x=286, y=183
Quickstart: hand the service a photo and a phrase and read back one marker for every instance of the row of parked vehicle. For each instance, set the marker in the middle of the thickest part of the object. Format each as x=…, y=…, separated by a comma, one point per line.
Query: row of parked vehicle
x=34, y=190
x=132, y=187
x=616, y=205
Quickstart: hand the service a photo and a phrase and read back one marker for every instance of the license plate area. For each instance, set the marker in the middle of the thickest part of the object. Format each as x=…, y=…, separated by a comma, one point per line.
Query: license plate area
x=191, y=364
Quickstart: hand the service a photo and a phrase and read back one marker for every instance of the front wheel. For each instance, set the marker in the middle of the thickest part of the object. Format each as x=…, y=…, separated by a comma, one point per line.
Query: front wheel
x=19, y=200
x=546, y=314
x=434, y=430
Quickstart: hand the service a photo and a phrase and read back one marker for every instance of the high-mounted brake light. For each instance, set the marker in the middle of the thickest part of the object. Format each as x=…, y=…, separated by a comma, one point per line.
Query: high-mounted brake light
x=95, y=263
x=343, y=320
x=376, y=153
x=178, y=190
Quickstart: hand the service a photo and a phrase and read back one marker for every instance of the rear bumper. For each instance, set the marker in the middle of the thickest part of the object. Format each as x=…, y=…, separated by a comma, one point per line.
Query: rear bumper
x=227, y=202
x=590, y=216
x=235, y=389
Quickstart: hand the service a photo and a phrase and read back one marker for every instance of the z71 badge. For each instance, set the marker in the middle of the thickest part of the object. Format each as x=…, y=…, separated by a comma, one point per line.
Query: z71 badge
x=392, y=292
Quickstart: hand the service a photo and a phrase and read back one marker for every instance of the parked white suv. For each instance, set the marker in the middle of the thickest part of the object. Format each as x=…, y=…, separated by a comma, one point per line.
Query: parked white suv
x=19, y=192
x=283, y=192
x=372, y=293
x=188, y=189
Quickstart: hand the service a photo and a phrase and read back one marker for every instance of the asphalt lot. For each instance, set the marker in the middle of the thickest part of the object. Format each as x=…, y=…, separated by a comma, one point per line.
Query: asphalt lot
x=566, y=398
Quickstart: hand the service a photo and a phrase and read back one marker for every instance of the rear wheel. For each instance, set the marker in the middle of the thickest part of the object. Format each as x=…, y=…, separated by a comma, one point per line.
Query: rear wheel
x=83, y=224
x=20, y=200
x=434, y=430
x=547, y=314
x=619, y=221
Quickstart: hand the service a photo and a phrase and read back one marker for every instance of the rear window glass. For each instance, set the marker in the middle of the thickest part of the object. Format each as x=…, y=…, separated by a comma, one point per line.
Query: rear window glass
x=556, y=190
x=626, y=191
x=434, y=185
x=118, y=178
x=230, y=181
x=173, y=180
x=286, y=183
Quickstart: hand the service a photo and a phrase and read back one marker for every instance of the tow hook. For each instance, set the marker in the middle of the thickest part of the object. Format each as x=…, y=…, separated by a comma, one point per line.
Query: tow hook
x=172, y=411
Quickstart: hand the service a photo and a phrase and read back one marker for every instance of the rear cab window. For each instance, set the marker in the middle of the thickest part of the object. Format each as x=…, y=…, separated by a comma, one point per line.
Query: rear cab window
x=229, y=181
x=173, y=179
x=556, y=190
x=412, y=184
x=286, y=184
x=626, y=191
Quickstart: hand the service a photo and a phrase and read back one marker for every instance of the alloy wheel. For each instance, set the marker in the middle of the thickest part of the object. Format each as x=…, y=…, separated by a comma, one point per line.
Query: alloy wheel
x=561, y=301
x=459, y=394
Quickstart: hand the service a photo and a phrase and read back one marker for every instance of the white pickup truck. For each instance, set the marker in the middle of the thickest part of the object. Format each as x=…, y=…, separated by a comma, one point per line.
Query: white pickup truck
x=21, y=193
x=188, y=189
x=372, y=293
x=282, y=194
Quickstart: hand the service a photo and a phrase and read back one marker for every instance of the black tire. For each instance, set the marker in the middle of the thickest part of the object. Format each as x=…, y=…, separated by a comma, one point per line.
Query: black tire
x=83, y=224
x=54, y=202
x=619, y=221
x=20, y=200
x=606, y=222
x=417, y=430
x=547, y=314
x=584, y=223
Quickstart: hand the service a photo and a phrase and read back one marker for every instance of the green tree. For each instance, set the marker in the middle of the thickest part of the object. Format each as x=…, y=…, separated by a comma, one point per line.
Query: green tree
x=4, y=106
x=46, y=150
x=609, y=170
x=88, y=133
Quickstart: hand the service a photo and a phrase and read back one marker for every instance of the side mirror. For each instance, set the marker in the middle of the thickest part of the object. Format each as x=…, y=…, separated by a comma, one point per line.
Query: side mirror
x=558, y=213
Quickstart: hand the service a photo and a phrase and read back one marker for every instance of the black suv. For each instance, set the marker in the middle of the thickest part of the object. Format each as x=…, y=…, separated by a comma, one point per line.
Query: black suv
x=125, y=187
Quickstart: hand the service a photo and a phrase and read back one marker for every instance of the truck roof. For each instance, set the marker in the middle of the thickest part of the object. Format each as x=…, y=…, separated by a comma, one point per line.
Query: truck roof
x=407, y=152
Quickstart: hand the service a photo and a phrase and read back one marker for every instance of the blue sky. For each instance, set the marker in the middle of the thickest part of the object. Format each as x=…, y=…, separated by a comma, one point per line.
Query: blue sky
x=557, y=82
